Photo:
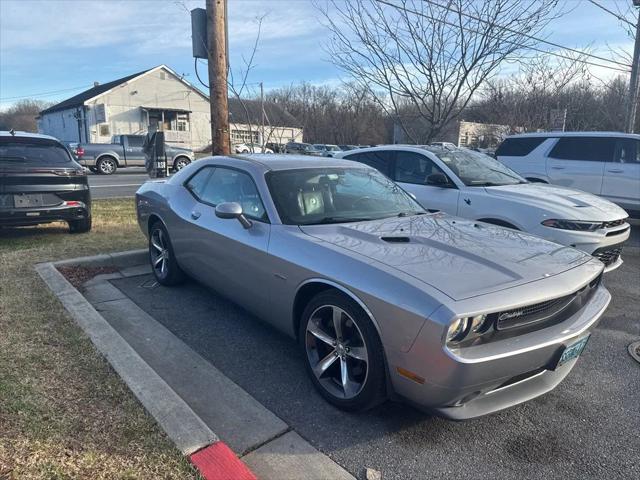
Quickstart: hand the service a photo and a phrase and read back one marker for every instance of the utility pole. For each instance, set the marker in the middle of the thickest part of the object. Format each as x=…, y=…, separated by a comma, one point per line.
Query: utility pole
x=262, y=116
x=218, y=65
x=634, y=81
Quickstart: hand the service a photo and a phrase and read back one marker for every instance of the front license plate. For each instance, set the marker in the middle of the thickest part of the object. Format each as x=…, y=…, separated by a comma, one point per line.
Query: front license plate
x=25, y=201
x=574, y=350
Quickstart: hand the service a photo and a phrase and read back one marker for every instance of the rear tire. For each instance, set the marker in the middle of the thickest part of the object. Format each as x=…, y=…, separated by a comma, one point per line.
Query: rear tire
x=346, y=362
x=80, y=226
x=162, y=257
x=107, y=165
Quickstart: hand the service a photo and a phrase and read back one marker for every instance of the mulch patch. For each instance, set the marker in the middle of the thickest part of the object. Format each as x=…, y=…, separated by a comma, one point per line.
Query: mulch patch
x=79, y=274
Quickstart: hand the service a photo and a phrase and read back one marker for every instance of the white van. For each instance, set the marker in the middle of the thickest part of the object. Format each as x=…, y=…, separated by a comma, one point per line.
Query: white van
x=604, y=163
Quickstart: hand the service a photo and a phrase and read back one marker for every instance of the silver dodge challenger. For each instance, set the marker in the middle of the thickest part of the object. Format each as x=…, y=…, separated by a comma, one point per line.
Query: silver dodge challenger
x=386, y=299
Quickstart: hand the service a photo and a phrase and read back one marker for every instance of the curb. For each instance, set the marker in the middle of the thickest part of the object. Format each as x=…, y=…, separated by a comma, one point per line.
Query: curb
x=282, y=457
x=213, y=459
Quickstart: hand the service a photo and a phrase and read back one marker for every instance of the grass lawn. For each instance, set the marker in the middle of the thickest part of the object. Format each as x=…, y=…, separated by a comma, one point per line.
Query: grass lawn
x=64, y=413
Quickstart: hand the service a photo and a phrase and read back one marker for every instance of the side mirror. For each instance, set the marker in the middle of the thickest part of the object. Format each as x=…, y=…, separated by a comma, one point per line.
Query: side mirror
x=229, y=210
x=437, y=180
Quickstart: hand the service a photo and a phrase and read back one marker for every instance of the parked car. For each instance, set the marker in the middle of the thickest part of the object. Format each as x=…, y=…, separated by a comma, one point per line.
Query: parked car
x=326, y=149
x=40, y=182
x=251, y=148
x=302, y=149
x=447, y=145
x=126, y=151
x=385, y=299
x=475, y=186
x=602, y=163
x=345, y=148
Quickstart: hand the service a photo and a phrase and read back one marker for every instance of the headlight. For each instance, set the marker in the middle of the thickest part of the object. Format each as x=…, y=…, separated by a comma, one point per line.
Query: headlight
x=478, y=323
x=457, y=330
x=467, y=327
x=579, y=225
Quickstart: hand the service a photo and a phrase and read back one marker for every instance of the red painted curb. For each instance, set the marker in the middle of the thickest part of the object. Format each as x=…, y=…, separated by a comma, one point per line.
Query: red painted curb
x=218, y=462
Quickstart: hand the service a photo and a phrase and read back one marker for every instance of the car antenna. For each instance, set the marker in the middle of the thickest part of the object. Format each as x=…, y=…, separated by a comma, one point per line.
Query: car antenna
x=12, y=132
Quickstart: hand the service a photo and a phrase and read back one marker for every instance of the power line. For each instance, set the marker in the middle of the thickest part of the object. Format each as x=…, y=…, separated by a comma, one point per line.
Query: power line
x=511, y=41
x=618, y=16
x=45, y=94
x=531, y=37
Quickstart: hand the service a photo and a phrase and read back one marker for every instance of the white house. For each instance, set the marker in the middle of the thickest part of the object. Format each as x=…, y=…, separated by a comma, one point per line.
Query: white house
x=157, y=99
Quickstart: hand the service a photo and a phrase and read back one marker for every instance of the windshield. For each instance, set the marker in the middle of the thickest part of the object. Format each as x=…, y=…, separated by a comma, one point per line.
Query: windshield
x=477, y=169
x=337, y=195
x=25, y=151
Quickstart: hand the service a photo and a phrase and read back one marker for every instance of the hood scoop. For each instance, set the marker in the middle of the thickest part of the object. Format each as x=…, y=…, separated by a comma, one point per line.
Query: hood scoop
x=395, y=239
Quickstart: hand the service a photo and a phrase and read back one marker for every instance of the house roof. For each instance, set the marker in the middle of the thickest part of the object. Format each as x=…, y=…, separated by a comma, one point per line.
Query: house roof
x=80, y=98
x=275, y=115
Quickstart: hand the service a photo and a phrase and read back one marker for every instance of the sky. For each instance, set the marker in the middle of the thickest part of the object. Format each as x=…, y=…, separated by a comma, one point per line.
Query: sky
x=51, y=50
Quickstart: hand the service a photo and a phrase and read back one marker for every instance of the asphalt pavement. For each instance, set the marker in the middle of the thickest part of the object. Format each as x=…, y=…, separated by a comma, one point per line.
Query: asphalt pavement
x=123, y=183
x=586, y=428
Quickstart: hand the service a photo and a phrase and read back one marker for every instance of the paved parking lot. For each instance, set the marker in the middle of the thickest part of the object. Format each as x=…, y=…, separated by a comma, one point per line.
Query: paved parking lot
x=586, y=428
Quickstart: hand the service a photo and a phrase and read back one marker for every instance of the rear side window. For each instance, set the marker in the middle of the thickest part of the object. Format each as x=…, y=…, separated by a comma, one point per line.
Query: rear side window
x=135, y=141
x=33, y=152
x=380, y=160
x=628, y=151
x=591, y=149
x=519, y=147
x=197, y=183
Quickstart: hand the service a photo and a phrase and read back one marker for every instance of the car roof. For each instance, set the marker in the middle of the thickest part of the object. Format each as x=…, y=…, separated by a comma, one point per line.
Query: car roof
x=5, y=133
x=573, y=134
x=282, y=161
x=400, y=147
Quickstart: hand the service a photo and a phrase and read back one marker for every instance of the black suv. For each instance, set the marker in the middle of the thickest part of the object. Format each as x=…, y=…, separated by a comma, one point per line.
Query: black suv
x=40, y=182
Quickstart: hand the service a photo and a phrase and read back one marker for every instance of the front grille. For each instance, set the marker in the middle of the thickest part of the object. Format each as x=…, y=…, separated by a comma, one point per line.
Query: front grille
x=608, y=255
x=614, y=223
x=555, y=310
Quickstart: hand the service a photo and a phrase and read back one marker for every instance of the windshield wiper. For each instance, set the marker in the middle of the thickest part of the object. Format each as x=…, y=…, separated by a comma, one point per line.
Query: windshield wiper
x=409, y=214
x=326, y=220
x=14, y=159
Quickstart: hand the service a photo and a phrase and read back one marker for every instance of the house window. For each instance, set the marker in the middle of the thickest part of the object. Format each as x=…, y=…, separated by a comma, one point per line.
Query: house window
x=104, y=130
x=244, y=136
x=182, y=122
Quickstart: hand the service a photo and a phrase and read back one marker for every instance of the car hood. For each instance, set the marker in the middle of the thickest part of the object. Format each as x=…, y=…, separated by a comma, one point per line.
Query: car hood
x=562, y=202
x=460, y=258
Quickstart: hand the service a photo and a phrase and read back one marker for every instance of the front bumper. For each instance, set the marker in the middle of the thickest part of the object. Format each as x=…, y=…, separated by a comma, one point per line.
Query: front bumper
x=16, y=217
x=478, y=380
x=601, y=243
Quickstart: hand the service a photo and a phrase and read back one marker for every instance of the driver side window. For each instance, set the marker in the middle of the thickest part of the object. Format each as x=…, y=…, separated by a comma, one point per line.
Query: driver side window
x=415, y=168
x=214, y=185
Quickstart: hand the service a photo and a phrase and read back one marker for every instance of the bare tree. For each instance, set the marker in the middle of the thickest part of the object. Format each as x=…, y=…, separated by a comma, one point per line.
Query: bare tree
x=429, y=57
x=22, y=115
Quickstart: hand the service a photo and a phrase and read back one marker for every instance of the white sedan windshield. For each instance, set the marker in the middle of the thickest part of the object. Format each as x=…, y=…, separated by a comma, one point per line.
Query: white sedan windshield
x=477, y=169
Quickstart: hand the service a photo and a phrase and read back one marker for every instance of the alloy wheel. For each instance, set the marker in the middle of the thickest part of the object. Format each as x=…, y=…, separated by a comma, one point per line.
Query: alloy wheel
x=107, y=166
x=159, y=253
x=336, y=351
x=181, y=163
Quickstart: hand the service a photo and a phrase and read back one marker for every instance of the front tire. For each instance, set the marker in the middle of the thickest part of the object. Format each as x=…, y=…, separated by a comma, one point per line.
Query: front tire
x=343, y=352
x=180, y=163
x=162, y=258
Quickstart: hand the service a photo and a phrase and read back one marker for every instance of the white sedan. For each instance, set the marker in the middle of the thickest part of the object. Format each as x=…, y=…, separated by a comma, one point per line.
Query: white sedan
x=251, y=148
x=475, y=186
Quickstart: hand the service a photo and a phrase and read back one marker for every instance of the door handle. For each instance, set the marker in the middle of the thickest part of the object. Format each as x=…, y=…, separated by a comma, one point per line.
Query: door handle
x=195, y=215
x=557, y=168
x=616, y=170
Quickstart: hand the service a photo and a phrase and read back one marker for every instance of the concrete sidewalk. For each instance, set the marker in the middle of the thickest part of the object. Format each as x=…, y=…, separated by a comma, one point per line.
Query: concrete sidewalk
x=192, y=401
